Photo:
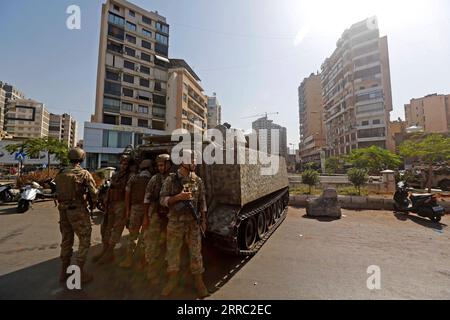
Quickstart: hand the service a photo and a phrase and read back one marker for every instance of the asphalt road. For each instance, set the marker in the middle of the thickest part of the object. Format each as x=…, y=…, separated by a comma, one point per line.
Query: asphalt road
x=304, y=259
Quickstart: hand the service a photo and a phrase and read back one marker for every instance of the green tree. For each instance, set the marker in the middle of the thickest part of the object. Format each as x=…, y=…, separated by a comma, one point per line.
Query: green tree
x=358, y=177
x=311, y=166
x=429, y=150
x=334, y=165
x=310, y=178
x=374, y=159
x=49, y=145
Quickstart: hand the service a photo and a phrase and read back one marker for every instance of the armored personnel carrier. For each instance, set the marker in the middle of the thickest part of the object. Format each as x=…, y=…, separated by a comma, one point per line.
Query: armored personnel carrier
x=244, y=206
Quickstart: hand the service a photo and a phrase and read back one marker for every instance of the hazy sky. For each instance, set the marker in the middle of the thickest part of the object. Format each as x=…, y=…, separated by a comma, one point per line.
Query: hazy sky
x=253, y=54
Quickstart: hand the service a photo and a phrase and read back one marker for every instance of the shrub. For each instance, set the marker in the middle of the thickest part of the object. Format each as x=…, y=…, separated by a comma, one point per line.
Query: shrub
x=310, y=178
x=358, y=177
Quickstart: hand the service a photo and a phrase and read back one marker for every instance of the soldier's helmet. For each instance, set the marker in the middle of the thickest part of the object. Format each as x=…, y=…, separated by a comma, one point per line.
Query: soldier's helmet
x=145, y=164
x=77, y=154
x=163, y=158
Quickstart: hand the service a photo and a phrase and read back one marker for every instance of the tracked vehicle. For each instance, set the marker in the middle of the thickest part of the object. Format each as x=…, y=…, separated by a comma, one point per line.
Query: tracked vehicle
x=244, y=206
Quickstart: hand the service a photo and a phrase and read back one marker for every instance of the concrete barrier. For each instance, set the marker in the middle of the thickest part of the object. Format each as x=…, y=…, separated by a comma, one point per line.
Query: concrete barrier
x=358, y=203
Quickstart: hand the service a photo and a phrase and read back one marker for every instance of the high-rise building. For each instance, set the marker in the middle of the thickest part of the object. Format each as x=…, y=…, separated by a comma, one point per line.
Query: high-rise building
x=265, y=123
x=7, y=93
x=312, y=133
x=64, y=128
x=356, y=90
x=214, y=112
x=132, y=80
x=27, y=119
x=431, y=113
x=187, y=105
x=2, y=110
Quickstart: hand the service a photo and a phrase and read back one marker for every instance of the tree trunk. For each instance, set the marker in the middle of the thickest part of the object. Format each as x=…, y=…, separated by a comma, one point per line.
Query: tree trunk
x=430, y=173
x=48, y=162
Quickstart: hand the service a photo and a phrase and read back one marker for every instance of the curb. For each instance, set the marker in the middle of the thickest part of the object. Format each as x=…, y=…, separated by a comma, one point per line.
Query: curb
x=358, y=203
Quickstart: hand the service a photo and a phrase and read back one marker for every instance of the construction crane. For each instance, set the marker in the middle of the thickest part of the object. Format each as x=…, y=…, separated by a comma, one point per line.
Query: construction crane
x=265, y=114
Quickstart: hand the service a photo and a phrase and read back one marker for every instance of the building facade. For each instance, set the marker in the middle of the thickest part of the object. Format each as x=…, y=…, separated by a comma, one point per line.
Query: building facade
x=64, y=128
x=356, y=90
x=186, y=105
x=432, y=113
x=132, y=76
x=27, y=118
x=214, y=112
x=8, y=93
x=312, y=132
x=265, y=123
x=2, y=111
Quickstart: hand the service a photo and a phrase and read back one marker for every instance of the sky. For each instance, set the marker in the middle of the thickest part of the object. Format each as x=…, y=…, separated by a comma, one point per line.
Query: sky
x=252, y=53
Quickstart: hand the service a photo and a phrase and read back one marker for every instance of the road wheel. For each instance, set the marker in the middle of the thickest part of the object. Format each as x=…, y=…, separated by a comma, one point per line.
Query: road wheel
x=248, y=233
x=23, y=206
x=269, y=217
x=261, y=223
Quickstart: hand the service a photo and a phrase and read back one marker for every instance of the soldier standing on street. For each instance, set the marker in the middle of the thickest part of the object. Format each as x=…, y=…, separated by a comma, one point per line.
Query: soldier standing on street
x=115, y=201
x=184, y=194
x=73, y=186
x=134, y=202
x=155, y=220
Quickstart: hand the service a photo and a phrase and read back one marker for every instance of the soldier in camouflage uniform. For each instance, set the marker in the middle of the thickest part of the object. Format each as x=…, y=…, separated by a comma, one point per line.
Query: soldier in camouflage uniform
x=73, y=186
x=116, y=211
x=134, y=202
x=155, y=221
x=177, y=189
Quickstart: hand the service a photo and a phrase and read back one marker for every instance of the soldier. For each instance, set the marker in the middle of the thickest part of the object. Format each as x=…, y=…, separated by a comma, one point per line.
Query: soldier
x=115, y=201
x=155, y=220
x=73, y=186
x=134, y=202
x=183, y=193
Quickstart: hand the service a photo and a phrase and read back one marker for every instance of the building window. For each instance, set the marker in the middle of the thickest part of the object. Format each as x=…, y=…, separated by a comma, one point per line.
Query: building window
x=116, y=8
x=146, y=20
x=116, y=32
x=127, y=106
x=111, y=75
x=157, y=86
x=131, y=13
x=162, y=27
x=127, y=92
x=376, y=121
x=146, y=57
x=158, y=125
x=146, y=33
x=142, y=123
x=128, y=78
x=127, y=121
x=112, y=88
x=115, y=19
x=116, y=139
x=115, y=47
x=131, y=38
x=143, y=109
x=162, y=49
x=146, y=44
x=130, y=52
x=131, y=26
x=144, y=82
x=365, y=123
x=111, y=105
x=109, y=119
x=145, y=70
x=128, y=64
x=162, y=39
x=144, y=95
x=159, y=99
x=159, y=112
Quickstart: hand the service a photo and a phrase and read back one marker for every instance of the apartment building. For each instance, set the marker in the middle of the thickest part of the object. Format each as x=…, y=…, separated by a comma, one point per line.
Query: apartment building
x=26, y=118
x=8, y=93
x=431, y=113
x=64, y=128
x=356, y=90
x=187, y=106
x=214, y=112
x=132, y=80
x=269, y=125
x=312, y=132
x=2, y=110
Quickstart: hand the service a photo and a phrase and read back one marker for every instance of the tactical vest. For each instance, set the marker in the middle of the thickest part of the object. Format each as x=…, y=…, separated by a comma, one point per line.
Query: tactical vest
x=70, y=186
x=160, y=209
x=138, y=186
x=117, y=189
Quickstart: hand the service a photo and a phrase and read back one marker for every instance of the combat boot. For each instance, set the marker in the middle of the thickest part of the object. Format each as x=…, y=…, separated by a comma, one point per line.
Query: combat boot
x=97, y=257
x=128, y=261
x=172, y=282
x=85, y=277
x=202, y=291
x=107, y=257
x=63, y=274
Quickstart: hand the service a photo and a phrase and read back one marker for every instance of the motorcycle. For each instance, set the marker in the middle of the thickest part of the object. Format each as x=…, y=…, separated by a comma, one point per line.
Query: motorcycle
x=7, y=193
x=425, y=205
x=33, y=191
